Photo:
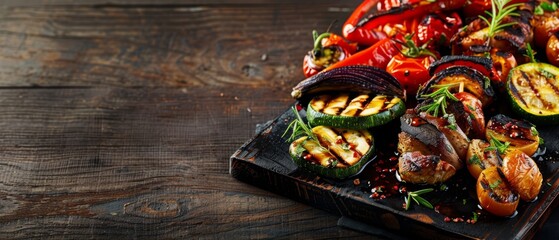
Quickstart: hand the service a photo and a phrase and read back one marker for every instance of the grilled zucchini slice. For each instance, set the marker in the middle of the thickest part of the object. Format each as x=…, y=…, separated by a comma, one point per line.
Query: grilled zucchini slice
x=534, y=92
x=354, y=111
x=338, y=153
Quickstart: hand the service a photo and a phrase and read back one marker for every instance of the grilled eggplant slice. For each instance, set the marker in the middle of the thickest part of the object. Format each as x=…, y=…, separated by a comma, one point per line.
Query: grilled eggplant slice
x=519, y=134
x=362, y=79
x=472, y=81
x=344, y=110
x=534, y=92
x=338, y=153
x=414, y=167
x=481, y=64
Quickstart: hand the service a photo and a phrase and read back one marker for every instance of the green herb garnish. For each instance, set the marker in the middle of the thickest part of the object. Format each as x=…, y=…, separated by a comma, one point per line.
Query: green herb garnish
x=451, y=121
x=499, y=10
x=545, y=6
x=439, y=97
x=547, y=74
x=530, y=53
x=299, y=128
x=534, y=131
x=495, y=184
x=475, y=216
x=475, y=160
x=500, y=147
x=411, y=50
x=439, y=101
x=418, y=199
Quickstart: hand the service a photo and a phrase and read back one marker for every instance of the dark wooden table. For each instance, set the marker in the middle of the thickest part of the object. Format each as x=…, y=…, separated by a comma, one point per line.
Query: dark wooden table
x=118, y=117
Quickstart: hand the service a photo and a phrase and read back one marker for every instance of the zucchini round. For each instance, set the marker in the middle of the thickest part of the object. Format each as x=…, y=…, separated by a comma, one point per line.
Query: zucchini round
x=313, y=156
x=354, y=112
x=534, y=92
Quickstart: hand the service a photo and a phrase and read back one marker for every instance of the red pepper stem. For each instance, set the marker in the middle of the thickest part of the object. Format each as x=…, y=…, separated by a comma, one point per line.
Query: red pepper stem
x=318, y=41
x=412, y=50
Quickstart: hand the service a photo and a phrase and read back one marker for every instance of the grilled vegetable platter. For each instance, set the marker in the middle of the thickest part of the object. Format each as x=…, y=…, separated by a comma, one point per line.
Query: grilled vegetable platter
x=423, y=113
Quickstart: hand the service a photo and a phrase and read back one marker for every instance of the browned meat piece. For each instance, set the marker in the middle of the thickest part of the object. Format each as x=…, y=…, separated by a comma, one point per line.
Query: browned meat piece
x=456, y=137
x=406, y=143
x=431, y=137
x=415, y=167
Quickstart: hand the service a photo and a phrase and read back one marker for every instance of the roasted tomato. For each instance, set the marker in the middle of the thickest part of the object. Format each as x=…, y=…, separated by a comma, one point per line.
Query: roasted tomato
x=503, y=62
x=519, y=134
x=411, y=65
x=410, y=72
x=545, y=22
x=552, y=49
x=523, y=174
x=494, y=193
x=436, y=29
x=480, y=158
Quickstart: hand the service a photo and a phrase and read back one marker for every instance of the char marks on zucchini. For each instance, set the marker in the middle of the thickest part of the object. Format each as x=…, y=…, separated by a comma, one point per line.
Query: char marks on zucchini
x=345, y=105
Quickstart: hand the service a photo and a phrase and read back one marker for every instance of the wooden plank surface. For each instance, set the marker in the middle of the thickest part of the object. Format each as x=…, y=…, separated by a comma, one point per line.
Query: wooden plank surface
x=143, y=46
x=108, y=162
x=119, y=117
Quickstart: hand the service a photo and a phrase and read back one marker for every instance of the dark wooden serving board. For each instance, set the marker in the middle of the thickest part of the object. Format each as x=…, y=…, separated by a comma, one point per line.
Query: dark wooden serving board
x=264, y=162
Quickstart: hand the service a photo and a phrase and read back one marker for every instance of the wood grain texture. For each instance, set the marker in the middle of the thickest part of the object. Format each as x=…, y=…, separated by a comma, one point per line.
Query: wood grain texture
x=141, y=45
x=122, y=162
x=119, y=117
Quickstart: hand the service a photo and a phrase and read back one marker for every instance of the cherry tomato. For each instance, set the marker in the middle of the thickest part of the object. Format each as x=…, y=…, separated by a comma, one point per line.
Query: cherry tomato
x=523, y=174
x=544, y=25
x=552, y=49
x=436, y=29
x=410, y=72
x=494, y=193
x=503, y=62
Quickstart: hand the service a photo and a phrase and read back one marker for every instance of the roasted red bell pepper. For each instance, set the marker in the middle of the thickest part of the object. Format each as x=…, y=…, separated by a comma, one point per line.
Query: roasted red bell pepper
x=365, y=31
x=328, y=49
x=377, y=55
x=436, y=29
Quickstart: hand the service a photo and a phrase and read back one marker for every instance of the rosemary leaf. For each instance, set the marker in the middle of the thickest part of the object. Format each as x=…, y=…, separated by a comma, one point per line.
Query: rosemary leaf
x=423, y=202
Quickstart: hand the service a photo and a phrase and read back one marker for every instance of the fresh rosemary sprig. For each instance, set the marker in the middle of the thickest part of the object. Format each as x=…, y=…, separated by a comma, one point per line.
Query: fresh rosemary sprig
x=418, y=199
x=439, y=99
x=495, y=144
x=499, y=10
x=299, y=128
x=530, y=53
